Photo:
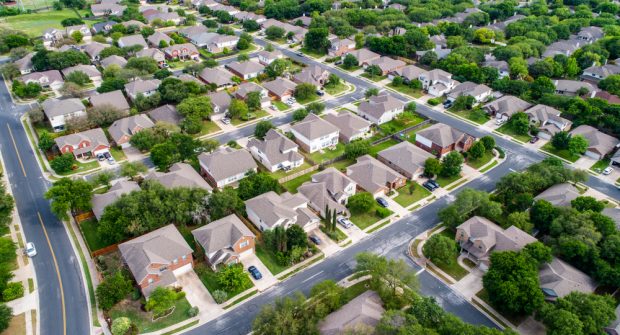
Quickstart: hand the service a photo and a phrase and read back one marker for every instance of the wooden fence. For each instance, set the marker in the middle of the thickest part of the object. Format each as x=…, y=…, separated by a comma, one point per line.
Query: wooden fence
x=105, y=250
x=298, y=173
x=79, y=218
x=250, y=226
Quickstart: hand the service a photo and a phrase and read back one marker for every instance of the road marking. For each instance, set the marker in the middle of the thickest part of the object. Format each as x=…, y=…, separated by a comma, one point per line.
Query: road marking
x=310, y=278
x=62, y=292
x=19, y=158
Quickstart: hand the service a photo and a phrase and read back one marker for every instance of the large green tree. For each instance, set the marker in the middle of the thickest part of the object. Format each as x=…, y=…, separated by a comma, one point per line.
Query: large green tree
x=69, y=195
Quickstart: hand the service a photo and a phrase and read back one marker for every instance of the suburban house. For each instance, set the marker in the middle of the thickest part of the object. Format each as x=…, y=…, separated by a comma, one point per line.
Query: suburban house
x=193, y=30
x=381, y=108
x=303, y=21
x=559, y=195
x=216, y=76
x=270, y=210
x=226, y=165
x=84, y=144
x=51, y=36
x=437, y=82
x=93, y=49
x=573, y=88
x=123, y=129
x=245, y=70
x=276, y=152
x=225, y=241
x=329, y=188
x=82, y=28
x=111, y=9
x=478, y=237
x=114, y=99
x=558, y=279
x=281, y=88
x=214, y=42
x=152, y=15
x=350, y=126
x=51, y=78
x=90, y=70
x=610, y=98
x=155, y=259
x=439, y=139
x=374, y=176
x=166, y=113
x=314, y=134
x=596, y=73
x=103, y=27
x=590, y=34
x=340, y=47
x=243, y=16
x=59, y=111
x=248, y=87
x=312, y=74
x=505, y=107
x=408, y=73
x=131, y=40
x=145, y=87
x=562, y=47
x=182, y=51
x=365, y=310
x=101, y=201
x=113, y=60
x=153, y=53
x=388, y=64
x=548, y=121
x=156, y=39
x=24, y=64
x=298, y=32
x=220, y=101
x=500, y=65
x=133, y=23
x=267, y=57
x=405, y=158
x=479, y=92
x=179, y=175
x=599, y=143
x=364, y=56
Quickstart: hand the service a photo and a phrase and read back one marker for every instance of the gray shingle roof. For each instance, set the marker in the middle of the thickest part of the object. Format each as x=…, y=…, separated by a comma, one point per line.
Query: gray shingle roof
x=216, y=76
x=90, y=70
x=96, y=137
x=180, y=175
x=406, y=157
x=598, y=141
x=165, y=113
x=366, y=309
x=140, y=86
x=132, y=40
x=280, y=86
x=221, y=234
x=442, y=134
x=226, y=162
x=115, y=99
x=313, y=127
x=348, y=123
x=276, y=147
x=272, y=208
x=245, y=68
x=507, y=105
x=563, y=279
x=101, y=201
x=157, y=37
x=371, y=174
x=220, y=99
x=127, y=126
x=378, y=105
x=559, y=194
x=55, y=107
x=114, y=59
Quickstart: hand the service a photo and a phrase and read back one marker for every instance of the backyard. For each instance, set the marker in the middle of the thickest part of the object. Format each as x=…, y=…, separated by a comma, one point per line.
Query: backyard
x=34, y=24
x=293, y=184
x=89, y=230
x=405, y=198
x=209, y=279
x=563, y=153
x=132, y=309
x=327, y=154
x=403, y=121
x=281, y=173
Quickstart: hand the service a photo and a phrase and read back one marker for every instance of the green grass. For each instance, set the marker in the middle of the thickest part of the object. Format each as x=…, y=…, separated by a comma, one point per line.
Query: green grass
x=118, y=154
x=365, y=220
x=506, y=128
x=336, y=235
x=453, y=269
x=373, y=78
x=313, y=53
x=353, y=69
x=477, y=117
x=304, y=266
x=209, y=279
x=174, y=331
x=269, y=259
x=410, y=136
x=476, y=164
x=327, y=154
x=405, y=120
x=281, y=173
x=374, y=150
x=489, y=167
x=281, y=106
x=143, y=320
x=89, y=231
x=253, y=116
x=30, y=285
x=82, y=167
x=342, y=164
x=405, y=199
x=293, y=184
x=354, y=290
x=600, y=165
x=548, y=147
x=313, y=97
x=208, y=127
x=333, y=90
x=244, y=297
x=414, y=92
x=445, y=181
x=34, y=24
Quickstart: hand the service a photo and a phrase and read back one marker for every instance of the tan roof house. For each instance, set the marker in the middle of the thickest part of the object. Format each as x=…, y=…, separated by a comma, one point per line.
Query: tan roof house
x=374, y=176
x=270, y=210
x=599, y=143
x=405, y=158
x=439, y=139
x=437, y=82
x=113, y=60
x=179, y=175
x=245, y=70
x=114, y=99
x=280, y=88
x=312, y=74
x=58, y=111
x=182, y=51
x=101, y=201
x=217, y=77
x=381, y=108
x=157, y=37
x=156, y=258
x=388, y=64
x=84, y=144
x=408, y=73
x=351, y=127
x=226, y=165
x=479, y=92
x=314, y=134
x=51, y=78
x=548, y=120
x=131, y=40
x=144, y=87
x=365, y=310
x=506, y=106
x=166, y=113
x=153, y=53
x=558, y=279
x=329, y=188
x=122, y=130
x=364, y=56
x=90, y=70
x=276, y=152
x=559, y=195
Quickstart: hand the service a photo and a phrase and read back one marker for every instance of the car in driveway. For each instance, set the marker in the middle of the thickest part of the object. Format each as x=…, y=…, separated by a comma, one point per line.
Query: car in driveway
x=30, y=250
x=382, y=202
x=447, y=104
x=430, y=185
x=315, y=239
x=346, y=223
x=534, y=139
x=254, y=272
x=608, y=170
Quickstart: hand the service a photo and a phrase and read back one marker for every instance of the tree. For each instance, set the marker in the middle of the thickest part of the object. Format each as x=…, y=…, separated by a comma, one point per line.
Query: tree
x=112, y=290
x=256, y=184
x=46, y=142
x=199, y=106
x=77, y=36
x=440, y=249
x=232, y=278
x=305, y=91
x=451, y=164
x=67, y=194
x=300, y=114
x=316, y=39
x=539, y=252
x=329, y=293
x=356, y=149
x=373, y=71
x=476, y=151
x=243, y=58
x=253, y=100
x=30, y=90
x=132, y=169
x=296, y=237
x=464, y=102
x=121, y=325
x=518, y=67
x=332, y=80
x=520, y=220
x=238, y=109
x=250, y=26
x=371, y=92
x=519, y=122
x=262, y=128
x=162, y=300
x=611, y=84
x=541, y=86
x=587, y=203
x=10, y=71
x=144, y=64
x=274, y=33
x=103, y=178
x=6, y=314
x=542, y=214
x=361, y=202
x=484, y=35
x=225, y=202
x=277, y=68
x=349, y=61
x=590, y=311
x=103, y=115
x=164, y=155
x=489, y=142
x=432, y=167
x=561, y=140
x=315, y=107
x=577, y=145
x=468, y=203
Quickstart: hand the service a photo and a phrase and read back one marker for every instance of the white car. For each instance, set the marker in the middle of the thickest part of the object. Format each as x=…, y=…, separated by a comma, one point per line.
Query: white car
x=607, y=171
x=226, y=121
x=346, y=223
x=30, y=250
x=500, y=122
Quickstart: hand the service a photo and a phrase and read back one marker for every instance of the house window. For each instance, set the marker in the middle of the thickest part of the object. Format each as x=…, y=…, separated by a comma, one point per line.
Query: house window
x=150, y=280
x=243, y=244
x=184, y=257
x=163, y=268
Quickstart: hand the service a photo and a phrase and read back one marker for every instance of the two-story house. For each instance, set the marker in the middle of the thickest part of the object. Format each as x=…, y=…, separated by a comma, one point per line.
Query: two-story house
x=226, y=166
x=183, y=51
x=59, y=111
x=144, y=87
x=122, y=130
x=84, y=144
x=375, y=177
x=439, y=139
x=275, y=151
x=351, y=127
x=314, y=134
x=548, y=121
x=329, y=188
x=270, y=210
x=437, y=82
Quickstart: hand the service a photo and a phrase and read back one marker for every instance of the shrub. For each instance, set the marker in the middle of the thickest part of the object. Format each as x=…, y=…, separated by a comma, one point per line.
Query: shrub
x=383, y=212
x=501, y=152
x=13, y=291
x=63, y=163
x=112, y=290
x=162, y=300
x=120, y=326
x=434, y=101
x=220, y=296
x=192, y=312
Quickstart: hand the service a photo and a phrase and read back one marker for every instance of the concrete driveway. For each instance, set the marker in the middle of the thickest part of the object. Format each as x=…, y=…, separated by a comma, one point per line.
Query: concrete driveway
x=585, y=162
x=327, y=246
x=198, y=295
x=354, y=233
x=268, y=279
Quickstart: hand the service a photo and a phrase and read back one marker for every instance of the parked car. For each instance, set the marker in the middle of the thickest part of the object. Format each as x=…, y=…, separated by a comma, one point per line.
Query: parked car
x=382, y=202
x=431, y=185
x=315, y=239
x=226, y=120
x=254, y=272
x=272, y=107
x=111, y=160
x=346, y=223
x=100, y=157
x=300, y=54
x=607, y=171
x=447, y=104
x=30, y=250
x=338, y=63
x=500, y=122
x=320, y=93
x=534, y=139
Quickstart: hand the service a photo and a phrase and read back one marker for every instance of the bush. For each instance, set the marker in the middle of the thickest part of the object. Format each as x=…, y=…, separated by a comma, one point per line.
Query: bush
x=13, y=291
x=192, y=312
x=63, y=163
x=220, y=296
x=383, y=212
x=434, y=101
x=501, y=152
x=112, y=290
x=120, y=326
x=162, y=300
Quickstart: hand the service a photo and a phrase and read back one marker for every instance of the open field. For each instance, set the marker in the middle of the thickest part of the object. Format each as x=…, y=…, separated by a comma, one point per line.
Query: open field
x=34, y=24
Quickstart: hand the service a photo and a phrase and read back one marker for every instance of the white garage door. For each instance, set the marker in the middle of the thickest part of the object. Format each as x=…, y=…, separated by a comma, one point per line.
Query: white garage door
x=246, y=253
x=593, y=155
x=185, y=268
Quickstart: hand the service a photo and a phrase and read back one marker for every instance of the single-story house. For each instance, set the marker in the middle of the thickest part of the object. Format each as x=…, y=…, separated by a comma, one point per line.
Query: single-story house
x=405, y=158
x=84, y=144
x=51, y=78
x=439, y=139
x=558, y=279
x=597, y=73
x=559, y=195
x=226, y=165
x=267, y=57
x=82, y=28
x=280, y=88
x=24, y=64
x=182, y=51
x=114, y=99
x=408, y=73
x=59, y=111
x=365, y=310
x=375, y=177
x=101, y=9
x=505, y=107
x=479, y=92
x=364, y=56
x=571, y=88
x=101, y=201
x=245, y=70
x=156, y=39
x=113, y=60
x=90, y=70
x=220, y=101
x=131, y=40
x=381, y=108
x=153, y=53
x=312, y=74
x=599, y=143
x=166, y=113
x=179, y=175
x=216, y=76
x=145, y=87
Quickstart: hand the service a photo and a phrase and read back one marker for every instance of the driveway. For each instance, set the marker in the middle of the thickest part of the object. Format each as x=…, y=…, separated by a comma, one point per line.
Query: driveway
x=395, y=207
x=133, y=154
x=327, y=246
x=198, y=295
x=584, y=162
x=268, y=279
x=470, y=284
x=354, y=233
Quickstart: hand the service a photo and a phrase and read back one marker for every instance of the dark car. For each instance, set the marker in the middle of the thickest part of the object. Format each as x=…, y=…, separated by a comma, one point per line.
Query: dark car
x=382, y=202
x=254, y=272
x=315, y=239
x=447, y=104
x=534, y=139
x=320, y=93
x=431, y=185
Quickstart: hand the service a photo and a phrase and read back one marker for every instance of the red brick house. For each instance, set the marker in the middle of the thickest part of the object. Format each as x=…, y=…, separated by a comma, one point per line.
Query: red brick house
x=84, y=144
x=439, y=139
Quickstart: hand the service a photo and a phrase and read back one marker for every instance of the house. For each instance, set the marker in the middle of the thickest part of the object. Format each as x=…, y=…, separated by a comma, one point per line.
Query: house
x=182, y=51
x=590, y=34
x=350, y=126
x=479, y=92
x=248, y=87
x=478, y=237
x=133, y=24
x=312, y=74
x=122, y=130
x=281, y=88
x=220, y=101
x=408, y=73
x=103, y=200
x=501, y=66
x=51, y=36
x=388, y=64
x=298, y=32
x=573, y=88
x=597, y=73
x=439, y=41
x=559, y=195
x=340, y=47
x=267, y=57
x=364, y=56
x=84, y=144
x=216, y=76
x=82, y=28
x=437, y=82
x=303, y=21
x=245, y=70
x=186, y=77
x=113, y=60
x=24, y=64
x=100, y=10
x=223, y=8
x=243, y=16
x=153, y=53
x=226, y=165
x=314, y=134
x=114, y=99
x=93, y=49
x=548, y=121
x=152, y=16
x=90, y=70
x=365, y=311
x=193, y=30
x=144, y=87
x=166, y=113
x=501, y=25
x=599, y=143
x=103, y=27
x=610, y=98
x=179, y=175
x=59, y=111
x=213, y=42
x=155, y=259
x=505, y=107
x=225, y=241
x=439, y=139
x=381, y=108
x=131, y=40
x=270, y=210
x=558, y=279
x=156, y=39
x=329, y=188
x=51, y=78
x=275, y=152
x=374, y=176
x=562, y=47
x=405, y=158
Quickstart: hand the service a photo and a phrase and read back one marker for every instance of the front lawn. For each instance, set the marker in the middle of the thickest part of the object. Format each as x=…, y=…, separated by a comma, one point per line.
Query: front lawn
x=208, y=127
x=281, y=173
x=453, y=269
x=445, y=181
x=403, y=121
x=251, y=117
x=209, y=279
x=326, y=154
x=475, y=115
x=34, y=24
x=336, y=235
x=333, y=90
x=281, y=106
x=353, y=69
x=143, y=320
x=118, y=154
x=373, y=78
x=307, y=100
x=312, y=53
x=507, y=129
x=365, y=220
x=548, y=147
x=374, y=150
x=476, y=164
x=600, y=165
x=293, y=184
x=404, y=198
x=269, y=259
x=89, y=231
x=82, y=167
x=405, y=89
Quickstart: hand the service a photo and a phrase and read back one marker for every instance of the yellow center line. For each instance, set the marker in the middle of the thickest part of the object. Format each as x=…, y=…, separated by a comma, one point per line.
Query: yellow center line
x=19, y=158
x=62, y=292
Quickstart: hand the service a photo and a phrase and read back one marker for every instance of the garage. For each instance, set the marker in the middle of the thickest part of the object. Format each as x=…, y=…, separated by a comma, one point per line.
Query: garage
x=182, y=270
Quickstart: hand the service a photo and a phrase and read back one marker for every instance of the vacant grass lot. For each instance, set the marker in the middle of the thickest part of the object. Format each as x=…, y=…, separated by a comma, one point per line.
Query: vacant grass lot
x=34, y=24
x=143, y=320
x=404, y=198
